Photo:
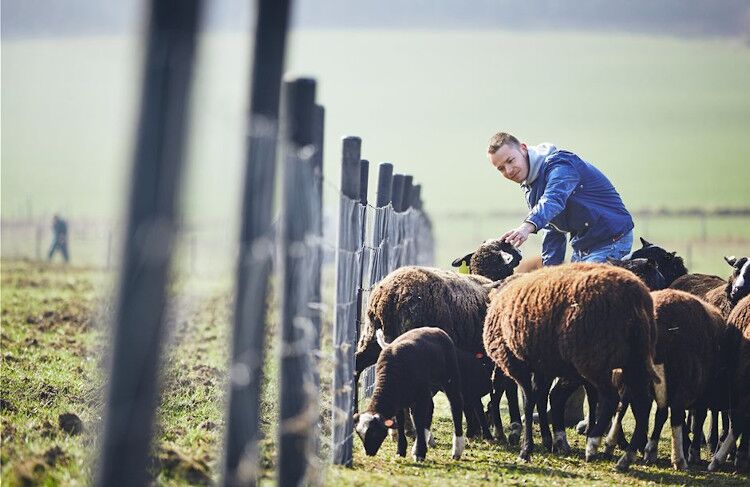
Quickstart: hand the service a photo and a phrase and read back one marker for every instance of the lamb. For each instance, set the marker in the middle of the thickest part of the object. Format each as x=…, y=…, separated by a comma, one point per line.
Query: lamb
x=689, y=334
x=407, y=371
x=737, y=350
x=413, y=297
x=578, y=322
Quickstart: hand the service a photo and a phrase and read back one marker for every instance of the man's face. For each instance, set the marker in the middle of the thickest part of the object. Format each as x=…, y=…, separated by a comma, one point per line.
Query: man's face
x=512, y=162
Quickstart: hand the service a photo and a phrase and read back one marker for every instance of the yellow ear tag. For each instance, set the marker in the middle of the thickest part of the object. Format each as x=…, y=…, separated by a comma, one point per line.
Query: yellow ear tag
x=463, y=268
x=388, y=423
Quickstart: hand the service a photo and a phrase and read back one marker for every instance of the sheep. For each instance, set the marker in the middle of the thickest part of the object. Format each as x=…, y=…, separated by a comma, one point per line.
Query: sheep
x=689, y=333
x=407, y=372
x=645, y=269
x=578, y=322
x=412, y=297
x=669, y=264
x=737, y=350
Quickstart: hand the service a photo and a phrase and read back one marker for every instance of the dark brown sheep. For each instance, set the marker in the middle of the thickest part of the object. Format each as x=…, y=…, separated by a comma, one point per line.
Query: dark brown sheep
x=689, y=333
x=408, y=370
x=646, y=270
x=698, y=284
x=738, y=351
x=494, y=259
x=576, y=321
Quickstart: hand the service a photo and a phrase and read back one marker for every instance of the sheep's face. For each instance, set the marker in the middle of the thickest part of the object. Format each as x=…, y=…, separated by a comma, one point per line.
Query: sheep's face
x=493, y=259
x=372, y=430
x=669, y=264
x=645, y=269
x=740, y=279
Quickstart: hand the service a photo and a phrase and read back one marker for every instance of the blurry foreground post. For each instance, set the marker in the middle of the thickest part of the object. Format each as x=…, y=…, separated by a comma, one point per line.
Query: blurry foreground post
x=364, y=173
x=157, y=171
x=299, y=411
x=257, y=245
x=344, y=331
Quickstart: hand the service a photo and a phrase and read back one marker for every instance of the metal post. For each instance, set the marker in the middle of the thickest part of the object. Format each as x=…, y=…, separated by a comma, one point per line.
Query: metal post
x=157, y=171
x=344, y=327
x=256, y=245
x=397, y=192
x=298, y=411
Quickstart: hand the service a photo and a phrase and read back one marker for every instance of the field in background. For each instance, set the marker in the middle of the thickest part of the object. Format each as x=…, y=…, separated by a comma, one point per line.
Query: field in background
x=54, y=347
x=666, y=119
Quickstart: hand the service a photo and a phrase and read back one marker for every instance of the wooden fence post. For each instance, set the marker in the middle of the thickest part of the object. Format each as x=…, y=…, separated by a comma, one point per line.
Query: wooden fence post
x=364, y=172
x=378, y=268
x=157, y=171
x=344, y=326
x=299, y=413
x=256, y=248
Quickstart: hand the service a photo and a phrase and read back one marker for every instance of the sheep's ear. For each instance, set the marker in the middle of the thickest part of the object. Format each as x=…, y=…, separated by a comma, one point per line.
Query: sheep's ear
x=731, y=260
x=466, y=258
x=645, y=242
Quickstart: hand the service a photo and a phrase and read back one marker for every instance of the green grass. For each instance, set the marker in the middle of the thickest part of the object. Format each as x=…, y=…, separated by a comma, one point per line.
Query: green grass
x=53, y=353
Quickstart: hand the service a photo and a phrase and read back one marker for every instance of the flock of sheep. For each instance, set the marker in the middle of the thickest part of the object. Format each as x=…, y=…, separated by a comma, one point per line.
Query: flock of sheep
x=630, y=332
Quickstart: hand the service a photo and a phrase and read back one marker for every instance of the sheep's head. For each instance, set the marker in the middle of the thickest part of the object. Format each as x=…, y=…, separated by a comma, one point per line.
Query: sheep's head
x=645, y=269
x=372, y=430
x=669, y=264
x=738, y=285
x=493, y=259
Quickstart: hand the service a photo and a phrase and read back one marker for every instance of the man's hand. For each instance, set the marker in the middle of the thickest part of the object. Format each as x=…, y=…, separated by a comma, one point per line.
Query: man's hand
x=518, y=236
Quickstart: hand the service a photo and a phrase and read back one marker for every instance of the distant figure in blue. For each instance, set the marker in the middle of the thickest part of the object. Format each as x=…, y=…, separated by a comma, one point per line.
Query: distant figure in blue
x=566, y=196
x=60, y=239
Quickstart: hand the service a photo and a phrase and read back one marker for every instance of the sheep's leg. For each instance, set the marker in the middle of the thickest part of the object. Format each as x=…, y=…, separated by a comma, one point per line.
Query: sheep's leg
x=650, y=453
x=742, y=457
x=592, y=399
x=479, y=412
x=721, y=453
x=527, y=445
x=401, y=446
x=493, y=407
x=511, y=395
x=640, y=404
x=616, y=436
x=559, y=395
x=699, y=417
x=677, y=421
x=472, y=422
x=713, y=431
x=419, y=414
x=428, y=432
x=608, y=401
x=541, y=386
x=453, y=392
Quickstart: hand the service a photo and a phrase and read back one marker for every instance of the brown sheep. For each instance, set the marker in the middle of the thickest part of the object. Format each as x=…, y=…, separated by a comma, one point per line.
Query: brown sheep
x=407, y=372
x=577, y=322
x=738, y=351
x=689, y=334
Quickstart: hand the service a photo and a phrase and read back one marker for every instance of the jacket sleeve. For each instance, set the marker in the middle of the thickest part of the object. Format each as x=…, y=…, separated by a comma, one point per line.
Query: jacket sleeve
x=553, y=247
x=561, y=182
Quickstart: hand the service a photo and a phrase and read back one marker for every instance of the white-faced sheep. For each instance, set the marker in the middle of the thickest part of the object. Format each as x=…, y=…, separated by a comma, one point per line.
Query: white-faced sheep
x=576, y=321
x=737, y=350
x=413, y=297
x=407, y=372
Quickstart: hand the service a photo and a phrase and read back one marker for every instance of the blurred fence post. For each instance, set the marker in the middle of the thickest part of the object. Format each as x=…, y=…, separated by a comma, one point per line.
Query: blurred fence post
x=364, y=172
x=298, y=411
x=344, y=325
x=378, y=267
x=256, y=249
x=157, y=171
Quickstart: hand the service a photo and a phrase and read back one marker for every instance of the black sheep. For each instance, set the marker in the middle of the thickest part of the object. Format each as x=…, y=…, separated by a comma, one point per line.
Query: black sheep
x=407, y=372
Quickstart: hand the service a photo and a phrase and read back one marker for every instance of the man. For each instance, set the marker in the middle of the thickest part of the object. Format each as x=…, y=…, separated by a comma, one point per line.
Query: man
x=60, y=239
x=565, y=195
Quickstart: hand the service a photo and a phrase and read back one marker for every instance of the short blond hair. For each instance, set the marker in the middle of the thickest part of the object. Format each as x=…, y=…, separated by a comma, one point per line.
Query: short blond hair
x=500, y=139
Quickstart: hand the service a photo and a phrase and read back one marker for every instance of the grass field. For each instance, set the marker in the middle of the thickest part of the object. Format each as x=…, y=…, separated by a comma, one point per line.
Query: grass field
x=665, y=118
x=54, y=349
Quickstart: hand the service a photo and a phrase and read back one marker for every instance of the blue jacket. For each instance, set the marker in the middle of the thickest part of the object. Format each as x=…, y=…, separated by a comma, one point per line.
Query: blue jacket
x=569, y=195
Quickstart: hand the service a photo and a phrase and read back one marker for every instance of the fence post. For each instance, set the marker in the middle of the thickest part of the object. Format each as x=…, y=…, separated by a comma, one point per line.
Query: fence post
x=344, y=326
x=380, y=229
x=298, y=411
x=157, y=171
x=256, y=247
x=364, y=173
x=397, y=191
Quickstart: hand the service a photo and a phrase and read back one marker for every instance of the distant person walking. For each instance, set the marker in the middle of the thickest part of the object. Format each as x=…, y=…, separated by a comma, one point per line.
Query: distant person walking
x=566, y=196
x=60, y=238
